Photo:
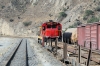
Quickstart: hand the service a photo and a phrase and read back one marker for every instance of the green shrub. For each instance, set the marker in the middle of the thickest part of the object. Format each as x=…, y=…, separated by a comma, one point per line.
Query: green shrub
x=93, y=19
x=11, y=20
x=71, y=26
x=35, y=3
x=85, y=17
x=27, y=23
x=50, y=15
x=64, y=9
x=3, y=7
x=89, y=12
x=63, y=14
x=98, y=8
x=75, y=25
x=78, y=23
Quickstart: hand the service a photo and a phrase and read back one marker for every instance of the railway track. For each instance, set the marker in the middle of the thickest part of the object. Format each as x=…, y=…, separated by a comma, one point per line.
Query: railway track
x=95, y=58
x=18, y=57
x=27, y=52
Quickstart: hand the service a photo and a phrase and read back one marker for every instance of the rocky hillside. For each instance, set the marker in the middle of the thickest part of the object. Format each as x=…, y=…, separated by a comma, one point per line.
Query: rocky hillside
x=23, y=17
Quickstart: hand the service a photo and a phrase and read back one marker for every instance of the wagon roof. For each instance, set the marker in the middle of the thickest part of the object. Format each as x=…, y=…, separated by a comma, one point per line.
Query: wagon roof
x=83, y=25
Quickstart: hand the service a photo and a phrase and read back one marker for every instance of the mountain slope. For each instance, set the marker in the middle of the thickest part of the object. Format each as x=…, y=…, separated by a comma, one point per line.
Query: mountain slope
x=15, y=14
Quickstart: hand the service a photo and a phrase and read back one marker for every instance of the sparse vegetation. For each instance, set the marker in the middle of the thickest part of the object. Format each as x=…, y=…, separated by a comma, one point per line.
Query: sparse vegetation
x=85, y=17
x=11, y=20
x=98, y=8
x=93, y=19
x=89, y=12
x=20, y=5
x=63, y=14
x=75, y=25
x=50, y=15
x=64, y=9
x=71, y=26
x=27, y=23
x=18, y=17
x=3, y=7
x=35, y=3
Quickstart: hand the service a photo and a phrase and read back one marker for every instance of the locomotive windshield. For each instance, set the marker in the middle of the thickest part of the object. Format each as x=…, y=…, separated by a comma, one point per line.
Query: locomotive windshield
x=54, y=26
x=48, y=26
x=51, y=26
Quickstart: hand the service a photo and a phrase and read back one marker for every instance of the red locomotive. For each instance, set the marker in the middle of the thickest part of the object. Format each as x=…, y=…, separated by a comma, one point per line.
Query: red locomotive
x=50, y=30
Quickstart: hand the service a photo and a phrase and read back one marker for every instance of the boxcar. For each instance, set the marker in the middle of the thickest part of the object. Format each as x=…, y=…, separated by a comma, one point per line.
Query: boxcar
x=81, y=34
x=89, y=33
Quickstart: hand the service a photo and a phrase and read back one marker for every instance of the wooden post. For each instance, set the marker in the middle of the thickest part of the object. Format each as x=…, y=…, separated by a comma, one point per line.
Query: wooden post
x=73, y=62
x=65, y=50
x=89, y=55
x=56, y=45
x=43, y=41
x=79, y=54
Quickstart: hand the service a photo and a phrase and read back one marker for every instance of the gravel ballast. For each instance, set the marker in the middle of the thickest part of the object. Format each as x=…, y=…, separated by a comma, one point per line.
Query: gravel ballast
x=45, y=57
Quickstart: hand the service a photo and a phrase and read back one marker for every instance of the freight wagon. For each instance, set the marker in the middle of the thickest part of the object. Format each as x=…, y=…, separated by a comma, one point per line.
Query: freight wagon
x=89, y=33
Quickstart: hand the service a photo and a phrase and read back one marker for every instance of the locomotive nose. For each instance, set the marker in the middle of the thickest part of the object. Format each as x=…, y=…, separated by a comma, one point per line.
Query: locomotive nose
x=52, y=32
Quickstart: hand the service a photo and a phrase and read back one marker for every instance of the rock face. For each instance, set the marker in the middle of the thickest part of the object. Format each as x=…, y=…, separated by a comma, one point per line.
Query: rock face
x=15, y=14
x=5, y=28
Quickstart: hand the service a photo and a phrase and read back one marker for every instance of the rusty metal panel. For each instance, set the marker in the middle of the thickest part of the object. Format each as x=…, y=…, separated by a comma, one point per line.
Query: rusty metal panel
x=81, y=35
x=87, y=35
x=94, y=38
